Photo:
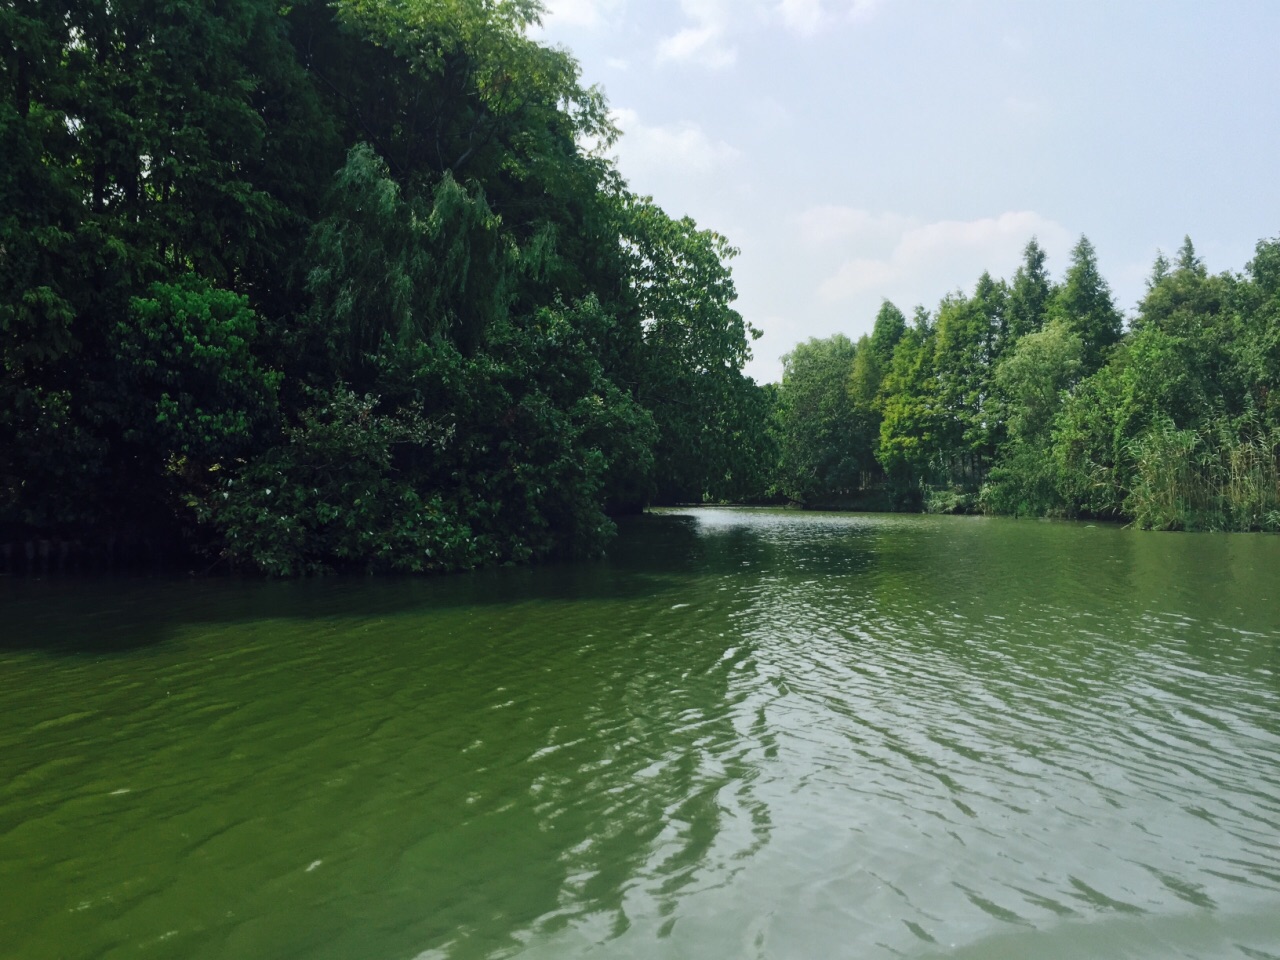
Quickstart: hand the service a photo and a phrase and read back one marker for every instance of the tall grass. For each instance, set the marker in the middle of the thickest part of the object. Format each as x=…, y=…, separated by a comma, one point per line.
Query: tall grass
x=1216, y=478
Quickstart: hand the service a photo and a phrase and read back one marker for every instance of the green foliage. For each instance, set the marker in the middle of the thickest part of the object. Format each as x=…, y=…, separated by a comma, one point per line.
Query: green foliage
x=1028, y=399
x=189, y=373
x=872, y=360
x=1023, y=483
x=1032, y=379
x=887, y=330
x=328, y=497
x=694, y=345
x=1031, y=382
x=968, y=331
x=950, y=500
x=515, y=467
x=345, y=285
x=1030, y=294
x=913, y=427
x=351, y=285
x=1187, y=480
x=452, y=85
x=822, y=456
x=144, y=143
x=938, y=424
x=397, y=270
x=1087, y=445
x=1083, y=304
x=1255, y=348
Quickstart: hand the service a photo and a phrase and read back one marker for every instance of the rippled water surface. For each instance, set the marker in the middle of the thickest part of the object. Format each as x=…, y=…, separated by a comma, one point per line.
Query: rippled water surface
x=747, y=734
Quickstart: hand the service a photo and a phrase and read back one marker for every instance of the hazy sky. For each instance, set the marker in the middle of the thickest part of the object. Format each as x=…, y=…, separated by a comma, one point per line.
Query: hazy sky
x=862, y=149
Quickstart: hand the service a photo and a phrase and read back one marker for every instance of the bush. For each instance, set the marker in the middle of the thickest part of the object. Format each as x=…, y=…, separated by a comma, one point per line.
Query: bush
x=950, y=500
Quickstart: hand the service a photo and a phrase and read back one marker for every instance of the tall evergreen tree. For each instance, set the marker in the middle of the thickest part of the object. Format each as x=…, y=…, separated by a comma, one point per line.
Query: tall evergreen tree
x=967, y=331
x=1030, y=294
x=1188, y=259
x=1084, y=305
x=887, y=330
x=913, y=424
x=1160, y=269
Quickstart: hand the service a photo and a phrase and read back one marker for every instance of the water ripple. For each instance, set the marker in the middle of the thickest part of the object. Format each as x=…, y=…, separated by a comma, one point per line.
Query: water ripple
x=751, y=734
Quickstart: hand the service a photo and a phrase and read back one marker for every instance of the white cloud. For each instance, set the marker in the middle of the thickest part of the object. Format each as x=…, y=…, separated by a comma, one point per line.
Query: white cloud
x=807, y=18
x=702, y=45
x=802, y=16
x=707, y=37
x=683, y=148
x=860, y=275
x=828, y=225
x=577, y=13
x=704, y=41
x=886, y=255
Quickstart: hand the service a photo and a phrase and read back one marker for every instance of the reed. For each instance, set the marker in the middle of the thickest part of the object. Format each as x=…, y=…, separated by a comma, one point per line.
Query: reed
x=1219, y=478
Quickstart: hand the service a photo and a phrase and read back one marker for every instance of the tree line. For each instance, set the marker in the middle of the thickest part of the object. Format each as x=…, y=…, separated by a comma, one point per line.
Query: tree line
x=1033, y=397
x=347, y=284
x=351, y=284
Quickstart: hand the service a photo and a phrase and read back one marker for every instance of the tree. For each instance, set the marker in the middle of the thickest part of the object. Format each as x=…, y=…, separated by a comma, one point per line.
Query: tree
x=1032, y=381
x=821, y=454
x=1030, y=294
x=914, y=427
x=1033, y=377
x=146, y=148
x=394, y=268
x=1160, y=270
x=873, y=357
x=357, y=251
x=887, y=330
x=968, y=331
x=1188, y=259
x=1256, y=346
x=865, y=380
x=1084, y=305
x=694, y=347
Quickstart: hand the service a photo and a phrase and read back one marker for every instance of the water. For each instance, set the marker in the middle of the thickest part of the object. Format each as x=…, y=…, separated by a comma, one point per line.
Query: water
x=748, y=734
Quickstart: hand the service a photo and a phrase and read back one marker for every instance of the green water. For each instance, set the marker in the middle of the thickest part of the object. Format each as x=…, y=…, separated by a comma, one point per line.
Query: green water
x=747, y=734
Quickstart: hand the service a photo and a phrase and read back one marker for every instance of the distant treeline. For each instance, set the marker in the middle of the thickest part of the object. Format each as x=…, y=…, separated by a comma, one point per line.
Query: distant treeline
x=1030, y=397
x=341, y=285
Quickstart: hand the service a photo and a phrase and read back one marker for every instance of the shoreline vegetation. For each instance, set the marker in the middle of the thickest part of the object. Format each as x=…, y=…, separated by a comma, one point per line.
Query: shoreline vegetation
x=349, y=285
x=354, y=286
x=1034, y=398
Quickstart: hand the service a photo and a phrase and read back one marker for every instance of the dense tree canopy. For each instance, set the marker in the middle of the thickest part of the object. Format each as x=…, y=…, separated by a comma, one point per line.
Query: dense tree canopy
x=340, y=285
x=350, y=284
x=817, y=416
x=1030, y=398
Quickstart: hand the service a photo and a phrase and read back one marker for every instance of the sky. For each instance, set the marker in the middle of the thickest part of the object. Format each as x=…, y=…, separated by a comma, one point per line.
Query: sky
x=858, y=150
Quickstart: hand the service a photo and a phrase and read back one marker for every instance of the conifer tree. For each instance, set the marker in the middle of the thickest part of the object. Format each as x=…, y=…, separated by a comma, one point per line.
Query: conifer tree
x=1084, y=305
x=1030, y=294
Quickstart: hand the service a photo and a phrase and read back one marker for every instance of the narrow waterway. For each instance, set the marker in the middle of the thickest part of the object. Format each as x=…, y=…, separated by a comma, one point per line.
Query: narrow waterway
x=745, y=734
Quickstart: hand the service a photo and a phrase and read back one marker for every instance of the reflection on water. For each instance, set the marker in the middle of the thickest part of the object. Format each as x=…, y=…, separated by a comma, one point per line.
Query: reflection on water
x=747, y=734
